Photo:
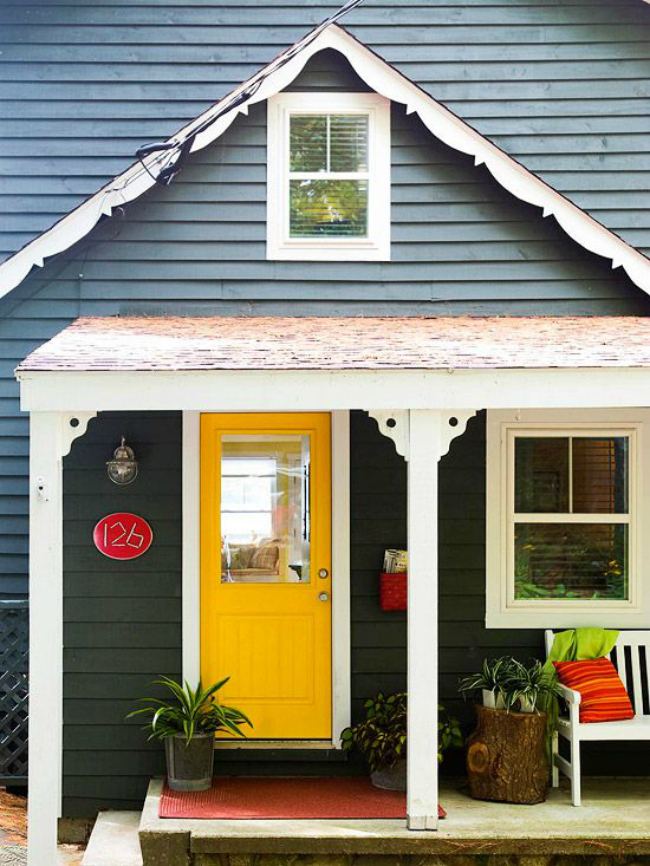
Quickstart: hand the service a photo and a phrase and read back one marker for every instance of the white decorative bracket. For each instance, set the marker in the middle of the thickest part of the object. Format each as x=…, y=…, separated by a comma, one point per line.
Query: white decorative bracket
x=453, y=424
x=395, y=426
x=69, y=427
x=72, y=427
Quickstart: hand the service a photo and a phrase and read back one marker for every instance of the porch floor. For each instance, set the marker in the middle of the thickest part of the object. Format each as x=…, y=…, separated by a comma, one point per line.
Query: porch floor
x=614, y=819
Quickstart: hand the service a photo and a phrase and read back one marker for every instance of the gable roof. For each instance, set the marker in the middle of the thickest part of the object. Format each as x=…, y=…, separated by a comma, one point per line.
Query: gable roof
x=384, y=79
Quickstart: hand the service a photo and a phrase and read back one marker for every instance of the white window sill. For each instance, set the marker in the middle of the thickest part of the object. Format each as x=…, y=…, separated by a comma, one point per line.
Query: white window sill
x=578, y=617
x=328, y=253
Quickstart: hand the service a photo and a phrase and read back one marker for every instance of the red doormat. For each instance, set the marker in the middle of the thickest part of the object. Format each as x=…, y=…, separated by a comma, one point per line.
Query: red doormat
x=237, y=799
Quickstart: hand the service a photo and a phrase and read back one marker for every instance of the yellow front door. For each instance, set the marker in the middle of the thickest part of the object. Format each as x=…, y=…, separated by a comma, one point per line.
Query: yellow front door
x=266, y=581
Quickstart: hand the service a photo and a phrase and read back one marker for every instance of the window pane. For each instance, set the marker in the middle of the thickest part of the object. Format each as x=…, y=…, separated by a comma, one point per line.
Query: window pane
x=243, y=467
x=265, y=513
x=349, y=142
x=541, y=475
x=241, y=493
x=565, y=561
x=335, y=208
x=308, y=142
x=600, y=475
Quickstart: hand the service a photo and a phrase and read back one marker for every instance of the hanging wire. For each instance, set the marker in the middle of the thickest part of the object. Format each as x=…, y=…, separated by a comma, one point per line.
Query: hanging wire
x=170, y=156
x=176, y=153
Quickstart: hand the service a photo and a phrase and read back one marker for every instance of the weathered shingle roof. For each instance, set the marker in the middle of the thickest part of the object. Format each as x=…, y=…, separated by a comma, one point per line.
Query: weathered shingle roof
x=265, y=343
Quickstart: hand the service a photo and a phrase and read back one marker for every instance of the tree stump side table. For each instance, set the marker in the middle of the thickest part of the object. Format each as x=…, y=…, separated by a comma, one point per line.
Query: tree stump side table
x=507, y=757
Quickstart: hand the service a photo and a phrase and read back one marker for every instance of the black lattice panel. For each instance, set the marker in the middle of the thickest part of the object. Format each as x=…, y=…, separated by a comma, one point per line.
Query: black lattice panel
x=14, y=690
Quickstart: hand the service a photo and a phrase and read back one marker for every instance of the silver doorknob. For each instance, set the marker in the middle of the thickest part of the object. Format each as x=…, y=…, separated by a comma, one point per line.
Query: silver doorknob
x=323, y=596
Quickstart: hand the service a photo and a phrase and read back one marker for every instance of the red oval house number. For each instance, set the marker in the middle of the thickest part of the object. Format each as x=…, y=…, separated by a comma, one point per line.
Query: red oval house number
x=122, y=535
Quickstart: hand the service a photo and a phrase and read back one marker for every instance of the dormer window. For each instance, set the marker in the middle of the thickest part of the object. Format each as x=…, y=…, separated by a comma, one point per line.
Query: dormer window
x=328, y=177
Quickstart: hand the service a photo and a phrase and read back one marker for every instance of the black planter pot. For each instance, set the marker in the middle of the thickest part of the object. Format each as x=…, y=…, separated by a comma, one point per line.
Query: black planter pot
x=391, y=778
x=190, y=766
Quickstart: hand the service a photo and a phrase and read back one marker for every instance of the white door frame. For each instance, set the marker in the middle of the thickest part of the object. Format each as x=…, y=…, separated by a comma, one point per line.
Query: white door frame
x=191, y=562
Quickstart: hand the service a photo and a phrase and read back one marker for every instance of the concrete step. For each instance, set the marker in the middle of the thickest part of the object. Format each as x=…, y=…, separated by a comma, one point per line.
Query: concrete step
x=114, y=840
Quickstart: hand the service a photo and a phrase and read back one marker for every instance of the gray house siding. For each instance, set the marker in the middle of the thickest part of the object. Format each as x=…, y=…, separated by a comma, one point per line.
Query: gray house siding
x=461, y=245
x=562, y=86
x=122, y=621
x=378, y=490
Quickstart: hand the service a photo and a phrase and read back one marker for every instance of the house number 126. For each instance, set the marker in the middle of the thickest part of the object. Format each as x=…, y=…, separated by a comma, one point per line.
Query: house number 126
x=122, y=535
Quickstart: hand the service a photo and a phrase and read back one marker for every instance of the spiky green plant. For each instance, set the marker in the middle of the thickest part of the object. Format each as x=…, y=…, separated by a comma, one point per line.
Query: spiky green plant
x=529, y=683
x=511, y=680
x=190, y=712
x=494, y=676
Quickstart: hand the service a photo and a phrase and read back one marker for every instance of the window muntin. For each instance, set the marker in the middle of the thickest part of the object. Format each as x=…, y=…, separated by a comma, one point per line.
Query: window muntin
x=329, y=177
x=569, y=525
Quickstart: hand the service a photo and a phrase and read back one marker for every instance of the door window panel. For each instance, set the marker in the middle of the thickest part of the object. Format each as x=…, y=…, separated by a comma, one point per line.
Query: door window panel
x=265, y=509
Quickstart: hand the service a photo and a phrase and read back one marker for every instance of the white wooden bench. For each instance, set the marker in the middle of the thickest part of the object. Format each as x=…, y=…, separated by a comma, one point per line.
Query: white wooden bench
x=626, y=657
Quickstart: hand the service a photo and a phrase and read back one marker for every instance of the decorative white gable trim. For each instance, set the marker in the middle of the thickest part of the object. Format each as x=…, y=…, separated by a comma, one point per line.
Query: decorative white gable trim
x=383, y=79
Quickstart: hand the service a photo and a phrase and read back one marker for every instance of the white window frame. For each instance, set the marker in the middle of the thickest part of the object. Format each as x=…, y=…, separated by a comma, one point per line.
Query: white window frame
x=374, y=247
x=502, y=610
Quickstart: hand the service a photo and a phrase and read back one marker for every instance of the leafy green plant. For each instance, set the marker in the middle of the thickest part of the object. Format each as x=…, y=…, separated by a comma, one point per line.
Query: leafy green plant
x=528, y=683
x=511, y=680
x=190, y=712
x=493, y=677
x=381, y=736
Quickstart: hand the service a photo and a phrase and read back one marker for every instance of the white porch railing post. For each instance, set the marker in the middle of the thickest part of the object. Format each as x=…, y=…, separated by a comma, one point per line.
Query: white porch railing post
x=422, y=757
x=46, y=636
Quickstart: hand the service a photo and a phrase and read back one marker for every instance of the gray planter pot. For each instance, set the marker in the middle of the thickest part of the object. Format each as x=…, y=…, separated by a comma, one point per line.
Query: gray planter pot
x=189, y=767
x=491, y=700
x=391, y=778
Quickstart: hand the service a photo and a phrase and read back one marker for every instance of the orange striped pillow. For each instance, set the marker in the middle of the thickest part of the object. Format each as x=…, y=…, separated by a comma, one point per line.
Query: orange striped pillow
x=604, y=698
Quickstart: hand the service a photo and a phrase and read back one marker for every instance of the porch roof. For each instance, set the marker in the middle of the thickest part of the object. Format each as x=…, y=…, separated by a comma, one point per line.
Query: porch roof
x=344, y=343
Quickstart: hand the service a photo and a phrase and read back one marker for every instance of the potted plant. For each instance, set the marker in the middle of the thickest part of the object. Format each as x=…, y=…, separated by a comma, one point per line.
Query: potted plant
x=381, y=738
x=187, y=724
x=528, y=685
x=506, y=755
x=508, y=684
x=491, y=681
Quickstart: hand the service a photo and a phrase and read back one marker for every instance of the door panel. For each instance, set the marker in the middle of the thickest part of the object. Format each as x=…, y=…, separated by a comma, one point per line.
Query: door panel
x=265, y=569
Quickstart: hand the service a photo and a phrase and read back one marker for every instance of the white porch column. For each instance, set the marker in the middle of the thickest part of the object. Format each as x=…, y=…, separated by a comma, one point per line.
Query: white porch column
x=430, y=433
x=422, y=682
x=51, y=435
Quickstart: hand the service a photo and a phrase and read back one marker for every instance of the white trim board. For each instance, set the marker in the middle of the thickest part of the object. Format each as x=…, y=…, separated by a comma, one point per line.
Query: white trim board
x=388, y=82
x=326, y=390
x=191, y=553
x=501, y=609
x=191, y=562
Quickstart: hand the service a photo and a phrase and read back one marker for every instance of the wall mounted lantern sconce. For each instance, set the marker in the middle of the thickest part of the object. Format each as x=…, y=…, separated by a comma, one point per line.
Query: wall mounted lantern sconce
x=123, y=468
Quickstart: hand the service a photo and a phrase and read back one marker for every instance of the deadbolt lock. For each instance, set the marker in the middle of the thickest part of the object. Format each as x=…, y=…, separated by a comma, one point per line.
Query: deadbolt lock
x=323, y=573
x=324, y=596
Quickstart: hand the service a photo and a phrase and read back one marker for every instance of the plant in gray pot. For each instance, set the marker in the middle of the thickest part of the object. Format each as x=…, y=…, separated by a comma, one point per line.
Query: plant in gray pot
x=492, y=681
x=381, y=739
x=187, y=724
